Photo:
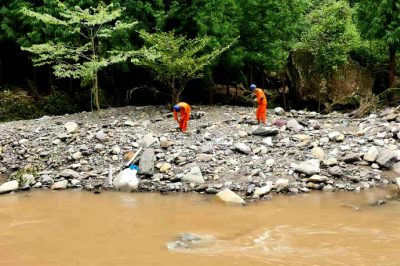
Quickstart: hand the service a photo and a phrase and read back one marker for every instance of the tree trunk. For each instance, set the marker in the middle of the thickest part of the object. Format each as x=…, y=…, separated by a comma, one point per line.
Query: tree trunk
x=174, y=93
x=392, y=65
x=284, y=94
x=96, y=91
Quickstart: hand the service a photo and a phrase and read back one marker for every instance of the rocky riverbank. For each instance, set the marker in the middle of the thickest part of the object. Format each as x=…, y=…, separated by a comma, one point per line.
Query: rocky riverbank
x=297, y=152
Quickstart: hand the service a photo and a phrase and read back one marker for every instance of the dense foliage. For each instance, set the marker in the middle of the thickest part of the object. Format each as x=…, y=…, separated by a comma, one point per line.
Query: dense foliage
x=184, y=48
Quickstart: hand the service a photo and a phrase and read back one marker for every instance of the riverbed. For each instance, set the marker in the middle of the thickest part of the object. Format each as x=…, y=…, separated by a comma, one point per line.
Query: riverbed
x=82, y=228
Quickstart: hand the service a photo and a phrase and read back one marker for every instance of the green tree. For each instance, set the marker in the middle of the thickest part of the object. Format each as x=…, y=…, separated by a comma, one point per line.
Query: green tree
x=329, y=36
x=331, y=33
x=380, y=20
x=178, y=59
x=81, y=55
x=269, y=30
x=220, y=20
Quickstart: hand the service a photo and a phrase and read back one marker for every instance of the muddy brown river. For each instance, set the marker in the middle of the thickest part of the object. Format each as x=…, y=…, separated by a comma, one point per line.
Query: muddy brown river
x=81, y=228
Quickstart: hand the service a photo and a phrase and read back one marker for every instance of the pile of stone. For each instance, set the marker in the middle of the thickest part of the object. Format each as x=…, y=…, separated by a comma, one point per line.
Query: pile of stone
x=224, y=151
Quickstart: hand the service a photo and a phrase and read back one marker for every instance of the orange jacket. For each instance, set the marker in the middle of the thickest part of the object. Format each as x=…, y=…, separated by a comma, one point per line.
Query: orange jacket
x=185, y=111
x=261, y=98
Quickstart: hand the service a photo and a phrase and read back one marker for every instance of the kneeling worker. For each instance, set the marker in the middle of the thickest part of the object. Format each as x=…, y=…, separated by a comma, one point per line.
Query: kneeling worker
x=184, y=110
x=261, y=112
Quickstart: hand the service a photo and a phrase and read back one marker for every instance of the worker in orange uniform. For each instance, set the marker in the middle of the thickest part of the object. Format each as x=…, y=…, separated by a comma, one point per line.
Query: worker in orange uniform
x=184, y=110
x=261, y=112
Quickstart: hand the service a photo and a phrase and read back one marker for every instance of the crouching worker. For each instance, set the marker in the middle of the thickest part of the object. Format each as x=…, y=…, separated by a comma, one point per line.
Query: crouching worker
x=184, y=111
x=261, y=112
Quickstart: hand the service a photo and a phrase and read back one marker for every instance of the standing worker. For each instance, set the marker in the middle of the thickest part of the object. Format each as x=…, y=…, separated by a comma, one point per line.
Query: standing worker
x=184, y=110
x=261, y=112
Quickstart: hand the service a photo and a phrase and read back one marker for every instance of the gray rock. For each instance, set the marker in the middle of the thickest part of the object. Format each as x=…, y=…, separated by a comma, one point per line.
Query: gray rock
x=46, y=180
x=282, y=184
x=146, y=163
x=130, y=123
x=205, y=149
x=336, y=171
x=351, y=158
x=314, y=124
x=9, y=186
x=396, y=167
x=261, y=191
x=391, y=117
x=204, y=157
x=71, y=127
x=63, y=136
x=336, y=136
x=37, y=185
x=60, y=185
x=194, y=176
x=77, y=155
x=98, y=147
x=101, y=136
x=149, y=140
x=268, y=141
x=67, y=173
x=309, y=167
x=371, y=155
x=165, y=143
x=265, y=131
x=229, y=196
x=318, y=178
x=116, y=150
x=165, y=167
x=279, y=111
x=328, y=188
x=397, y=180
x=243, y=148
x=27, y=180
x=293, y=125
x=386, y=158
x=318, y=153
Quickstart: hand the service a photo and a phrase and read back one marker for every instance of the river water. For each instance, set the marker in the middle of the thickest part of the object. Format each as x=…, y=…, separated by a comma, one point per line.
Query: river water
x=81, y=228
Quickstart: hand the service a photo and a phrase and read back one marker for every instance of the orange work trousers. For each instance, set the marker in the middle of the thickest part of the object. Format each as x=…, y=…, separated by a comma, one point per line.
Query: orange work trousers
x=184, y=123
x=261, y=113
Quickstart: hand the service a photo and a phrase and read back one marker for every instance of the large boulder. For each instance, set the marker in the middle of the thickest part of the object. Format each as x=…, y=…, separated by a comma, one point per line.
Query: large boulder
x=261, y=191
x=386, y=158
x=282, y=184
x=69, y=173
x=293, y=125
x=194, y=176
x=71, y=127
x=265, y=131
x=243, y=148
x=318, y=179
x=309, y=167
x=229, y=196
x=279, y=111
x=60, y=185
x=149, y=140
x=372, y=154
x=146, y=163
x=318, y=153
x=9, y=186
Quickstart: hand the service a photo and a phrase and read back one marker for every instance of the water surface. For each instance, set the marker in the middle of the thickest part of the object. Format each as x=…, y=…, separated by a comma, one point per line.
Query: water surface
x=81, y=228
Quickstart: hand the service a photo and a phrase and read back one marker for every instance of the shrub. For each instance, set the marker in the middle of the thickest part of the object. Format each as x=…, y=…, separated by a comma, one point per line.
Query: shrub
x=16, y=105
x=59, y=103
